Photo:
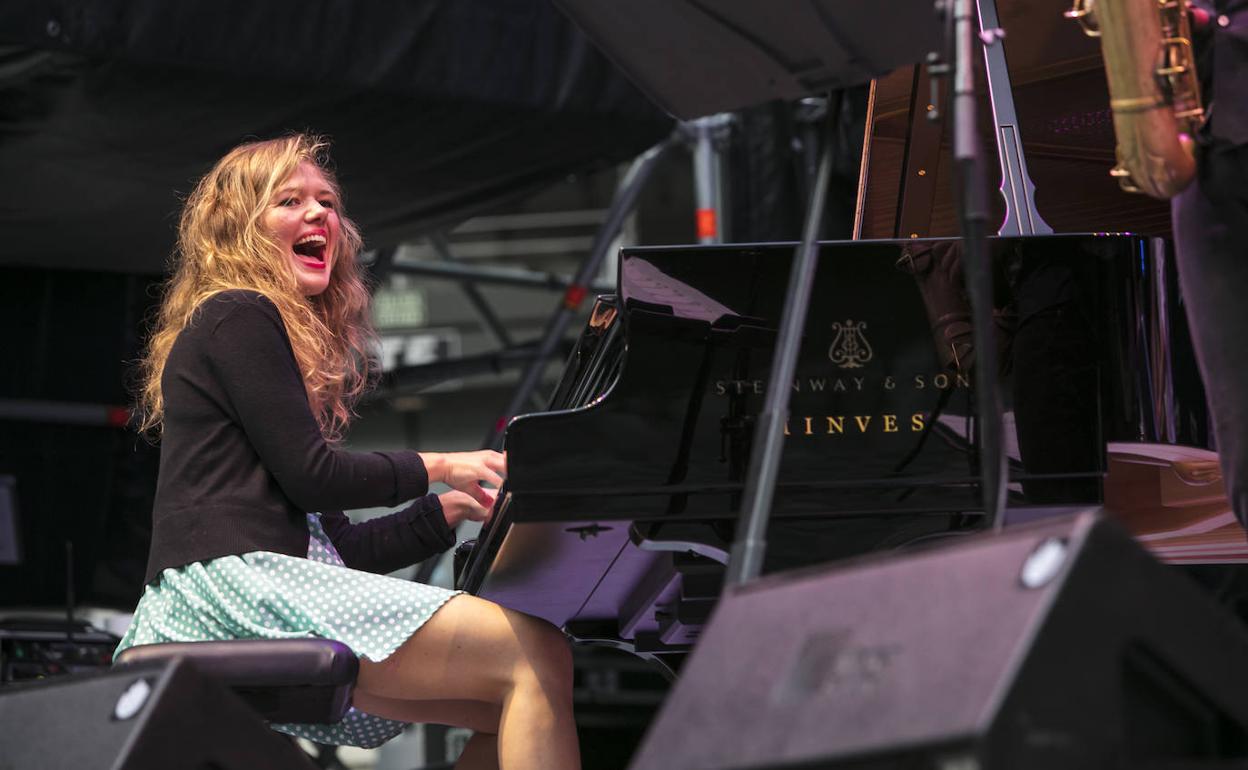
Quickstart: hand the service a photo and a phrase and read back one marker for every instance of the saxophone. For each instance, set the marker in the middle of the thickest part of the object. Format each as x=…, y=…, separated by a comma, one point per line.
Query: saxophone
x=1153, y=89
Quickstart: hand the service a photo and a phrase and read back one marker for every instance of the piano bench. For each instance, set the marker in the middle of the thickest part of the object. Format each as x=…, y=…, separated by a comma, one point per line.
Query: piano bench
x=284, y=680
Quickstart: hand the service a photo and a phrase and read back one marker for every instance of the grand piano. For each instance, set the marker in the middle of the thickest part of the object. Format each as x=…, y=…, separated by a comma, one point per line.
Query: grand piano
x=622, y=498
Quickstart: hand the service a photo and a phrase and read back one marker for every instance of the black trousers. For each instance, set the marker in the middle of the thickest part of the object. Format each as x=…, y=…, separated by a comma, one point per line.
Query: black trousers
x=1211, y=236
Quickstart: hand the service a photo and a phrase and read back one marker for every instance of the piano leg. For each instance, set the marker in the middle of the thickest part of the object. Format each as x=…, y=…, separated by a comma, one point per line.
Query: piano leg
x=604, y=634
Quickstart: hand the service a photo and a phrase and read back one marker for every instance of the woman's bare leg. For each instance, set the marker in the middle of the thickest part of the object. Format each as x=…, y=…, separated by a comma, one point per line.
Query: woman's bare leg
x=480, y=753
x=482, y=718
x=475, y=650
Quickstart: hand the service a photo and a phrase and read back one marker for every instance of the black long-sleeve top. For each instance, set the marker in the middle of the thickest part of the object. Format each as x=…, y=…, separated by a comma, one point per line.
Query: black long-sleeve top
x=243, y=461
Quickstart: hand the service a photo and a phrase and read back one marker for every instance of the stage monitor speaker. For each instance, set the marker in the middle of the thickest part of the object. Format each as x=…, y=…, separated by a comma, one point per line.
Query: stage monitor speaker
x=141, y=718
x=1059, y=646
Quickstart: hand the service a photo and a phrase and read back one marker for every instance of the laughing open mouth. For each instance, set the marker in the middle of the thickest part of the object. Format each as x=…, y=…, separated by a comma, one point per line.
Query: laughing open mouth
x=311, y=248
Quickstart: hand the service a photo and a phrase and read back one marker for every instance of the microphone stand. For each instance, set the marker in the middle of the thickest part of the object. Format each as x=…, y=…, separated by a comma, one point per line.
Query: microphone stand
x=745, y=561
x=973, y=214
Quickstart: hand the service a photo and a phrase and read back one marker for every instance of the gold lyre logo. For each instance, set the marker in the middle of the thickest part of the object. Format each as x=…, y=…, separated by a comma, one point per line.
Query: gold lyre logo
x=850, y=349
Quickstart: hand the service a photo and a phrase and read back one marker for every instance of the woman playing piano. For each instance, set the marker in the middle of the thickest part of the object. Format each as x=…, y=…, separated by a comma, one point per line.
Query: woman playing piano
x=259, y=351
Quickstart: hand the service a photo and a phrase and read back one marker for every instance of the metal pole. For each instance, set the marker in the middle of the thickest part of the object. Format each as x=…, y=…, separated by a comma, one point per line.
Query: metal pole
x=65, y=412
x=420, y=376
x=489, y=319
x=621, y=206
x=720, y=141
x=707, y=212
x=503, y=276
x=968, y=160
x=708, y=176
x=745, y=561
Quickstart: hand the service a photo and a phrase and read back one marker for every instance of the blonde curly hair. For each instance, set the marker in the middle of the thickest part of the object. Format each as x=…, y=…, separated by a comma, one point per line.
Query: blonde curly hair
x=223, y=245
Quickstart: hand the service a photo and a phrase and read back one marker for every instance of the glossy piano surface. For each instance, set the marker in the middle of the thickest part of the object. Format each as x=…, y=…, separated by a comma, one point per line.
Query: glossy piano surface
x=606, y=500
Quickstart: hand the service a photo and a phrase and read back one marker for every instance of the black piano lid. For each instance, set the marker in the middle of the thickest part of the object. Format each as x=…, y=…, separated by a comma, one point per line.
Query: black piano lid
x=882, y=408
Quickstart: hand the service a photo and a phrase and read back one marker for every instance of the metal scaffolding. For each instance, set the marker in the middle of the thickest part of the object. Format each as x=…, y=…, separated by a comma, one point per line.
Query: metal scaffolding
x=706, y=139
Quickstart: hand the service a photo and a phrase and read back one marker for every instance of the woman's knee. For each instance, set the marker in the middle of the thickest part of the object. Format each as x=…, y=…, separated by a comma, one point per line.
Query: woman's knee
x=545, y=649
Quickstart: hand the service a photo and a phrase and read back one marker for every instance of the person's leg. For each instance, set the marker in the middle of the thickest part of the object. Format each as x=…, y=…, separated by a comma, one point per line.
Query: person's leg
x=478, y=716
x=482, y=718
x=480, y=753
x=473, y=650
x=1211, y=235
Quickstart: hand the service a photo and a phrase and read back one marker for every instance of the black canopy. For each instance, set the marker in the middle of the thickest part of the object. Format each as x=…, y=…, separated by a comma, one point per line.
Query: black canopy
x=437, y=109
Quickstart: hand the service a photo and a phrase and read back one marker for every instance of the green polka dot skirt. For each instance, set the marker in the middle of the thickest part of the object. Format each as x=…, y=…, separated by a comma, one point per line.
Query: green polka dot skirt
x=263, y=595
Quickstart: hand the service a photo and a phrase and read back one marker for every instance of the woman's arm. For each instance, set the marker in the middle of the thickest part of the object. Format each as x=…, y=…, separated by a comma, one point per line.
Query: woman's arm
x=252, y=359
x=391, y=542
x=423, y=529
